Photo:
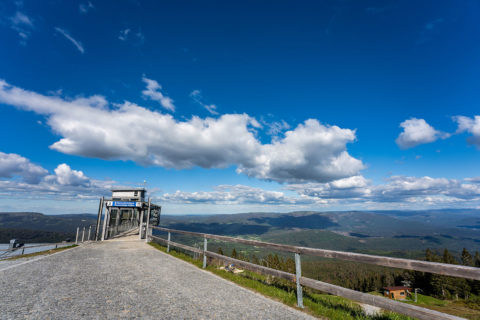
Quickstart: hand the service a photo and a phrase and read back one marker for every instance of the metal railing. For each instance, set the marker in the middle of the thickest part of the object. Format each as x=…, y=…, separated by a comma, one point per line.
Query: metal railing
x=20, y=251
x=85, y=233
x=378, y=301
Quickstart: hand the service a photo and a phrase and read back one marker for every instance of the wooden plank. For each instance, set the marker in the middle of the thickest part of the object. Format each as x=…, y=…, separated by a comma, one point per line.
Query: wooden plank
x=178, y=245
x=377, y=301
x=253, y=267
x=417, y=265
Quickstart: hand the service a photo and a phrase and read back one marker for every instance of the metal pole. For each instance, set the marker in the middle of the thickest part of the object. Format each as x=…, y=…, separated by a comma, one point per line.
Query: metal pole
x=99, y=218
x=204, y=253
x=89, y=231
x=76, y=238
x=148, y=219
x=83, y=233
x=416, y=295
x=117, y=220
x=140, y=226
x=168, y=242
x=23, y=250
x=105, y=221
x=298, y=269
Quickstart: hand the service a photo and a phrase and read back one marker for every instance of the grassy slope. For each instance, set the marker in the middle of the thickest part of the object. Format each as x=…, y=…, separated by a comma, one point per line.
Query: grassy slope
x=317, y=304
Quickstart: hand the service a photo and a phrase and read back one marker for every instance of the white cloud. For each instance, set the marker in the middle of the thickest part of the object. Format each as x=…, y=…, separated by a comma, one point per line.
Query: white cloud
x=85, y=7
x=397, y=189
x=416, y=132
x=12, y=165
x=67, y=35
x=23, y=25
x=20, y=178
x=153, y=92
x=234, y=195
x=64, y=175
x=470, y=125
x=311, y=152
x=276, y=127
x=196, y=95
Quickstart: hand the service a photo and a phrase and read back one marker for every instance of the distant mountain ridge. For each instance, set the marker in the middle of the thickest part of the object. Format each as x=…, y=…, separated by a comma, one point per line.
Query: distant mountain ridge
x=342, y=230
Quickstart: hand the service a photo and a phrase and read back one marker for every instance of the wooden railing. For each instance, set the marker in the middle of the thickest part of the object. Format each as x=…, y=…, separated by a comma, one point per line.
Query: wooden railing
x=378, y=301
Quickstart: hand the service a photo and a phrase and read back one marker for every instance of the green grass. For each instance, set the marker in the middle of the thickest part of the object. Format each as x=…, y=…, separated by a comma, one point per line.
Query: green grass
x=427, y=301
x=316, y=304
x=41, y=253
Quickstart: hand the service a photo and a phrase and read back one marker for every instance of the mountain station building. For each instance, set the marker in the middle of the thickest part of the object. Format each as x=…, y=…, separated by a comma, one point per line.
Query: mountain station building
x=126, y=210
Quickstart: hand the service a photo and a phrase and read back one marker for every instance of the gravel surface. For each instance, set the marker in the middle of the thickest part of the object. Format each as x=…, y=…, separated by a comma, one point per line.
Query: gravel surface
x=126, y=279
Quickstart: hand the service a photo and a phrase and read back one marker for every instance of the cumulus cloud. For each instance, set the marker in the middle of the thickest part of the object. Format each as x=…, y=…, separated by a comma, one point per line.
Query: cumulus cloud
x=416, y=132
x=470, y=125
x=355, y=187
x=19, y=177
x=67, y=35
x=12, y=165
x=312, y=152
x=237, y=194
x=196, y=95
x=153, y=92
x=23, y=25
x=397, y=189
x=415, y=192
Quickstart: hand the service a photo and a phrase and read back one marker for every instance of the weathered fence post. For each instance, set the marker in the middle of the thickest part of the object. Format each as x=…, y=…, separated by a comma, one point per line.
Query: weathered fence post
x=204, y=252
x=76, y=238
x=298, y=269
x=168, y=242
x=83, y=234
x=89, y=231
x=56, y=245
x=23, y=250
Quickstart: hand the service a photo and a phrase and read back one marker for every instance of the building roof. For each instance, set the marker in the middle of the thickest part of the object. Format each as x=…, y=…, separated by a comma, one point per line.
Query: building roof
x=130, y=189
x=397, y=288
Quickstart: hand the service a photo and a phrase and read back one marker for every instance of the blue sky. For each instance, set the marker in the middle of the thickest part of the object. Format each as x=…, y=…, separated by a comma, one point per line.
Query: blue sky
x=227, y=107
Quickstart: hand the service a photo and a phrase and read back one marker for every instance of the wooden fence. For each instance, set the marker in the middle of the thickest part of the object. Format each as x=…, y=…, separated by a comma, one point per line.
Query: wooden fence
x=381, y=302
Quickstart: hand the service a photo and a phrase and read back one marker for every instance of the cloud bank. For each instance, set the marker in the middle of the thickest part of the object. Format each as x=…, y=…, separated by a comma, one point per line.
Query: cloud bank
x=92, y=127
x=400, y=191
x=19, y=177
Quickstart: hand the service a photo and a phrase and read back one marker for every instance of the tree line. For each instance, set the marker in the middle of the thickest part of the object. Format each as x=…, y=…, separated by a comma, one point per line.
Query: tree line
x=368, y=278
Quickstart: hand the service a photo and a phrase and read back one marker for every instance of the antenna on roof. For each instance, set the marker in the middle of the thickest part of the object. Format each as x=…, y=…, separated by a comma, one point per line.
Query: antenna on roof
x=144, y=184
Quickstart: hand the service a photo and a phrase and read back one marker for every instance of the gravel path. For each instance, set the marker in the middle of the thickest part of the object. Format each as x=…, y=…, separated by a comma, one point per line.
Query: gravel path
x=126, y=279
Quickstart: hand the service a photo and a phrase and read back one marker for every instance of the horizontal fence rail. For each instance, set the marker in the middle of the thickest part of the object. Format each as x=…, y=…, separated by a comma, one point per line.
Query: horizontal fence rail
x=378, y=301
x=416, y=265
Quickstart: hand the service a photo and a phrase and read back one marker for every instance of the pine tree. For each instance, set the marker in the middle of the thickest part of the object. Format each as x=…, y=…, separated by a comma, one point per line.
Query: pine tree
x=220, y=251
x=467, y=259
x=234, y=253
x=448, y=258
x=477, y=259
